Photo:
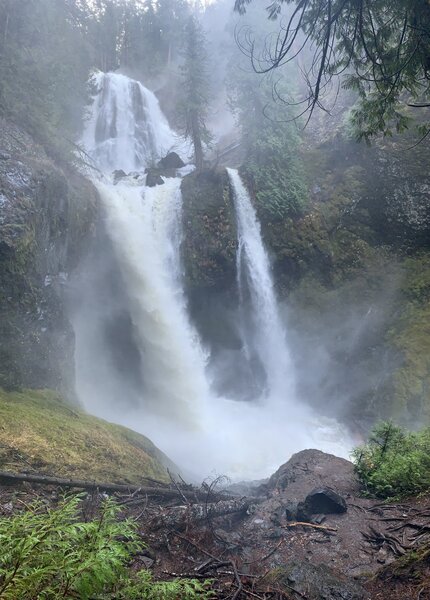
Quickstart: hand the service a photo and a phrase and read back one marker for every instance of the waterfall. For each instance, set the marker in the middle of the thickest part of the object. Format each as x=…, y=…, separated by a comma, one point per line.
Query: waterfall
x=144, y=224
x=140, y=361
x=126, y=128
x=253, y=272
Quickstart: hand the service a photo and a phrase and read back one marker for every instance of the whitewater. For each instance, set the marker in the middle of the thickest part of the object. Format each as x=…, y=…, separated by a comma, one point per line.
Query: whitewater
x=205, y=434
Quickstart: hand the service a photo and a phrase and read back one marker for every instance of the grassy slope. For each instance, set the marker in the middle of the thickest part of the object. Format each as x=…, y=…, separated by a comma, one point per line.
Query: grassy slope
x=40, y=433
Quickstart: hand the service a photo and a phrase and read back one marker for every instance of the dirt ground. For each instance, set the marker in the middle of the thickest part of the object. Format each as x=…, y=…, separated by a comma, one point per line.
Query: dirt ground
x=241, y=542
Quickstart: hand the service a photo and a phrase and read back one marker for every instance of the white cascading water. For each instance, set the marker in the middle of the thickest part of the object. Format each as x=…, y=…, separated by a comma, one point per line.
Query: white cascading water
x=176, y=408
x=126, y=128
x=144, y=225
x=253, y=271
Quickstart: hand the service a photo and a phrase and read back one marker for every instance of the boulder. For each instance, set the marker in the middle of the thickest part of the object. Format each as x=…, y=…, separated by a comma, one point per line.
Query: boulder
x=322, y=500
x=291, y=511
x=311, y=469
x=118, y=175
x=153, y=179
x=301, y=579
x=171, y=161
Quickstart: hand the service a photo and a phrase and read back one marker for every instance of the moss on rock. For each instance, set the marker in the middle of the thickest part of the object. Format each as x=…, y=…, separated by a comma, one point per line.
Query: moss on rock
x=210, y=240
x=47, y=214
x=41, y=433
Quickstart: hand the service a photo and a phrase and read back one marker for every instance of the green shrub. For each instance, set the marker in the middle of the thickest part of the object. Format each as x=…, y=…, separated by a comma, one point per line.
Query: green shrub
x=394, y=462
x=51, y=553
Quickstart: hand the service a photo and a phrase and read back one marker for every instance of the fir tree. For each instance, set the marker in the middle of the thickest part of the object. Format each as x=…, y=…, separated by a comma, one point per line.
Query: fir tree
x=194, y=97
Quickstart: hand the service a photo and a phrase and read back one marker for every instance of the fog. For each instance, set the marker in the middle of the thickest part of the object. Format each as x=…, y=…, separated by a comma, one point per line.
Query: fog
x=230, y=382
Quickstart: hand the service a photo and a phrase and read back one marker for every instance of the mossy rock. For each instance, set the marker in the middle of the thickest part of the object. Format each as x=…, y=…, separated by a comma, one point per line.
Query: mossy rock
x=210, y=238
x=48, y=217
x=40, y=433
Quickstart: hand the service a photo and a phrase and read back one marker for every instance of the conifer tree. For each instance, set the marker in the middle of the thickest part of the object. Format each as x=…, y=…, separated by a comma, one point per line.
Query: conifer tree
x=194, y=97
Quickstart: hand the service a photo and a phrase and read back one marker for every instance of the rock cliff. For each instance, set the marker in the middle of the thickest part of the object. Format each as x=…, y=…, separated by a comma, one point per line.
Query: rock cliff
x=47, y=213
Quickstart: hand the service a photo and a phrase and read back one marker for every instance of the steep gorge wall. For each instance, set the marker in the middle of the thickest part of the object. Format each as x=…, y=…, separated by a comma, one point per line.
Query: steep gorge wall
x=46, y=217
x=353, y=269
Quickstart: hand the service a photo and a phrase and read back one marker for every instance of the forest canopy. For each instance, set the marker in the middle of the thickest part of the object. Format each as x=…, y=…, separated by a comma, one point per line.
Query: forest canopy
x=379, y=48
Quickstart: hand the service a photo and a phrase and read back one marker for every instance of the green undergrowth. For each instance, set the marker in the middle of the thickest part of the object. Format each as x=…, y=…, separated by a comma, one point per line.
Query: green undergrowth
x=41, y=433
x=53, y=553
x=410, y=334
x=394, y=463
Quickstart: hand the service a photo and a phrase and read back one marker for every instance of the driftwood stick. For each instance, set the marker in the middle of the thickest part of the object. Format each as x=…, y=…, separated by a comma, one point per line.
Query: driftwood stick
x=313, y=525
x=178, y=488
x=165, y=492
x=238, y=580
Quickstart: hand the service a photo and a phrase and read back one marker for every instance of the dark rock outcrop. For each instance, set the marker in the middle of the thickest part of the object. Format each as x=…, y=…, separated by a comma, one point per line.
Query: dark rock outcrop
x=171, y=161
x=321, y=501
x=311, y=469
x=46, y=217
x=118, y=175
x=210, y=231
x=301, y=579
x=153, y=178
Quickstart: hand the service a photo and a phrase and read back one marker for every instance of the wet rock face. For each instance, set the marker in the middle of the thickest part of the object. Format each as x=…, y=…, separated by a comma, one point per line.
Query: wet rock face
x=118, y=175
x=321, y=501
x=153, y=179
x=309, y=470
x=171, y=161
x=46, y=215
x=210, y=238
x=302, y=579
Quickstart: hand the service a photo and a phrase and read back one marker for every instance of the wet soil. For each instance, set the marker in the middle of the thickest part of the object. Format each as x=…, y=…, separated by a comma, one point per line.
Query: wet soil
x=374, y=550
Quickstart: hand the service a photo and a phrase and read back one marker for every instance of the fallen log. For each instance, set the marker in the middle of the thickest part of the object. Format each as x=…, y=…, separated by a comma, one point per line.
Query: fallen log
x=163, y=491
x=178, y=517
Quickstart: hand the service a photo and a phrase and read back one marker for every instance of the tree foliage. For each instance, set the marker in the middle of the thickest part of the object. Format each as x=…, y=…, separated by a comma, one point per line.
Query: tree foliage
x=193, y=104
x=52, y=553
x=381, y=48
x=49, y=47
x=272, y=163
x=394, y=462
x=44, y=65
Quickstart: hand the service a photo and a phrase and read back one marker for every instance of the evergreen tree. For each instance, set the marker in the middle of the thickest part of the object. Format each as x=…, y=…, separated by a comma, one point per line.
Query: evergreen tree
x=44, y=65
x=381, y=49
x=194, y=98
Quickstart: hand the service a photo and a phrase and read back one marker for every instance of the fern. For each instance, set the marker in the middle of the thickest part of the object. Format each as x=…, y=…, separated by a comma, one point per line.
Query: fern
x=394, y=462
x=50, y=553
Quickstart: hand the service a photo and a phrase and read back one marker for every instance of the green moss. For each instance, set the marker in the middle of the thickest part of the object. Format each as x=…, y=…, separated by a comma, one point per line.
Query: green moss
x=39, y=432
x=410, y=334
x=209, y=248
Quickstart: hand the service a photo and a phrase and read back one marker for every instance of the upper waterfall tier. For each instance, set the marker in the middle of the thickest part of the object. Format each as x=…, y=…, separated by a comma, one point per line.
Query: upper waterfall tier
x=126, y=128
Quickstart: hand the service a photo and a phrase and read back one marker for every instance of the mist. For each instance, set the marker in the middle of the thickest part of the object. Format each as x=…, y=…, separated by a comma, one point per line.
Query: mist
x=250, y=283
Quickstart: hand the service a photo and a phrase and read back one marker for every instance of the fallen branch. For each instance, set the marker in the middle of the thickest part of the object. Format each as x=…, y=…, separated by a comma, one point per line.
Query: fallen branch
x=313, y=525
x=238, y=580
x=164, y=492
x=181, y=493
x=177, y=517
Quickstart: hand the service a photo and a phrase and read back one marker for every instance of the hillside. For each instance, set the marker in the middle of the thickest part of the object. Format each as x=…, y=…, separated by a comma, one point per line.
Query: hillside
x=40, y=433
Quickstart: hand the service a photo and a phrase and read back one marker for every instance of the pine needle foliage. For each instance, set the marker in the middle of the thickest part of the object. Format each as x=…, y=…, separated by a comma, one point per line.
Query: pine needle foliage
x=194, y=97
x=394, y=462
x=51, y=553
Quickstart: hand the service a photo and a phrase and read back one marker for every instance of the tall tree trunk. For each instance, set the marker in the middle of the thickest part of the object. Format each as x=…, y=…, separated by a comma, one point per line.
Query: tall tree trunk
x=197, y=141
